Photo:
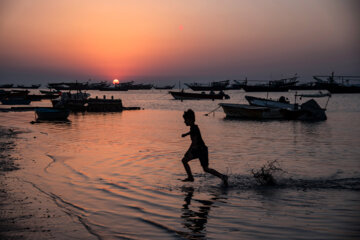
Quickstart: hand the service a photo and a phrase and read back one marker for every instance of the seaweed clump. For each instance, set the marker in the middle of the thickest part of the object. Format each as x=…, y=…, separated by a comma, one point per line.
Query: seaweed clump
x=265, y=175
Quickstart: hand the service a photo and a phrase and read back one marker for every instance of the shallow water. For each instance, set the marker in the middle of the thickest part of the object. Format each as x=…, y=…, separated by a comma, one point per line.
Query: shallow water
x=118, y=173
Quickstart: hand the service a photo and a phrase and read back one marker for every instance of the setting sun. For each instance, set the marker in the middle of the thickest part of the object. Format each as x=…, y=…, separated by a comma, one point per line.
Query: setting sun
x=115, y=81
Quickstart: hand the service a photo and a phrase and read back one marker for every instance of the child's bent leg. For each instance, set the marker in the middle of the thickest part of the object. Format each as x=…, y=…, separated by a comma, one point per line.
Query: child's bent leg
x=217, y=174
x=185, y=161
x=213, y=172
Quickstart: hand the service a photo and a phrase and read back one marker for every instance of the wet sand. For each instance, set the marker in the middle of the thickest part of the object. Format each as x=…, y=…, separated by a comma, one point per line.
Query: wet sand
x=25, y=211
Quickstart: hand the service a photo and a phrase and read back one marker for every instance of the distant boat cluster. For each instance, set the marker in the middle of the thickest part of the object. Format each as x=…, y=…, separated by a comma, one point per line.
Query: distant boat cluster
x=105, y=86
x=102, y=86
x=62, y=98
x=331, y=83
x=34, y=86
x=64, y=101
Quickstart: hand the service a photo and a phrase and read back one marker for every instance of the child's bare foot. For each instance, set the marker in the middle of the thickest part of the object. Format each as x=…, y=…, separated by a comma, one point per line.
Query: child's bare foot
x=225, y=180
x=188, y=179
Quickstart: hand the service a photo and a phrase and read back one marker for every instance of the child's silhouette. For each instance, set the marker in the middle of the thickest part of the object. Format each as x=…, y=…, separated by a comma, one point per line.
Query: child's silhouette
x=197, y=149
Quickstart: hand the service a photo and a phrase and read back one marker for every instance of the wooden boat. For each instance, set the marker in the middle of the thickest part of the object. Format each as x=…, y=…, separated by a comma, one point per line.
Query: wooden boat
x=68, y=86
x=115, y=88
x=140, y=86
x=50, y=92
x=98, y=85
x=237, y=85
x=246, y=111
x=73, y=101
x=15, y=101
x=52, y=113
x=308, y=111
x=213, y=86
x=197, y=96
x=261, y=108
x=167, y=87
x=338, y=84
x=282, y=102
x=104, y=105
x=39, y=97
x=281, y=85
x=33, y=86
x=6, y=85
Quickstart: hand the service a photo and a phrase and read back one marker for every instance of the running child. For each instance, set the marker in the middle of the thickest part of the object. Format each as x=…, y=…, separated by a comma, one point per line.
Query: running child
x=197, y=149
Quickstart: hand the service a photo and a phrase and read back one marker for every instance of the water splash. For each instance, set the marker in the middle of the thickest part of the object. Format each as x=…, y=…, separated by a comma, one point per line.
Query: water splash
x=266, y=174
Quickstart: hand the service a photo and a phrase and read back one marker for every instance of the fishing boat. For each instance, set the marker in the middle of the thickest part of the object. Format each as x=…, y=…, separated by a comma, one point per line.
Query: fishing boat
x=114, y=88
x=237, y=84
x=182, y=95
x=104, y=105
x=261, y=108
x=15, y=101
x=73, y=101
x=309, y=110
x=140, y=86
x=282, y=102
x=338, y=83
x=281, y=85
x=6, y=85
x=33, y=86
x=98, y=85
x=213, y=86
x=68, y=86
x=233, y=110
x=49, y=92
x=167, y=87
x=52, y=113
x=7, y=94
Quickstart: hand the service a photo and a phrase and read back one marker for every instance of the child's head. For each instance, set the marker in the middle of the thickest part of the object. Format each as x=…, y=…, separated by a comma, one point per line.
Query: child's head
x=189, y=117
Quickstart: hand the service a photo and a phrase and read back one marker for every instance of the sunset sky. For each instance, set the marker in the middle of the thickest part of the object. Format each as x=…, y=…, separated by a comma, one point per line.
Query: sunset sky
x=164, y=41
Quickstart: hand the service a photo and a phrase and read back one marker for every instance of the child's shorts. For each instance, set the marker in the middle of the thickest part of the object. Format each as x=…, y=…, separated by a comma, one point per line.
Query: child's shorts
x=201, y=153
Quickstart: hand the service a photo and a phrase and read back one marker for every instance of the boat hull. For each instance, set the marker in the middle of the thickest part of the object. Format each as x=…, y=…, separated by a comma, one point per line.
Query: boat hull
x=51, y=114
x=197, y=96
x=15, y=101
x=250, y=112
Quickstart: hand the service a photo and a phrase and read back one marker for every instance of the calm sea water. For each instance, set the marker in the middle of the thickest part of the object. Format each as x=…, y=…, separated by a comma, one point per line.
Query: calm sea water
x=119, y=172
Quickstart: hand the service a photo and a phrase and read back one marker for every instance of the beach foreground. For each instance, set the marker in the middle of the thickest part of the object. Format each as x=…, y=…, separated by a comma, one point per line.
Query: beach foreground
x=26, y=212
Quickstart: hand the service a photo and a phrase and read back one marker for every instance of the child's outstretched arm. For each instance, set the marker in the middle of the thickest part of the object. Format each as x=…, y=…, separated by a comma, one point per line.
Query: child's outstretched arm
x=185, y=134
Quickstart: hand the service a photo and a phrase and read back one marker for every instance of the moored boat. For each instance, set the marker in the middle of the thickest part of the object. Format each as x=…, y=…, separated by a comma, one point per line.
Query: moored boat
x=237, y=85
x=182, y=95
x=49, y=91
x=6, y=85
x=213, y=86
x=73, y=101
x=33, y=86
x=15, y=101
x=282, y=102
x=261, y=108
x=52, y=113
x=233, y=110
x=281, y=85
x=68, y=86
x=338, y=83
x=167, y=87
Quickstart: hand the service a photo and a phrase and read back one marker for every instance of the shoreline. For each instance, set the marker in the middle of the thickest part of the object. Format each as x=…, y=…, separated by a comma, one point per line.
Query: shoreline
x=26, y=211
